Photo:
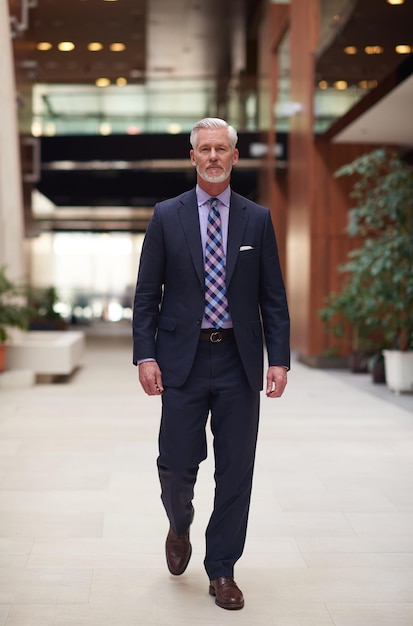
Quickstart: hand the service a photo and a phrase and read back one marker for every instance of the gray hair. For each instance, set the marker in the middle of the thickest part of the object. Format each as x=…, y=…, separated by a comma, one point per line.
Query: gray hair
x=213, y=122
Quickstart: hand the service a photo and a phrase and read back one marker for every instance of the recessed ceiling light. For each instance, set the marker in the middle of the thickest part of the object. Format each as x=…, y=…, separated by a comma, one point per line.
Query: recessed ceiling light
x=403, y=49
x=121, y=81
x=44, y=45
x=368, y=84
x=395, y=2
x=94, y=46
x=340, y=84
x=373, y=50
x=350, y=50
x=66, y=46
x=117, y=47
x=102, y=82
x=323, y=84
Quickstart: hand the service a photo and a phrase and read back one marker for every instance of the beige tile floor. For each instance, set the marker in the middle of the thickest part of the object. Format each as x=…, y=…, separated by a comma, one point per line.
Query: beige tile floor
x=82, y=528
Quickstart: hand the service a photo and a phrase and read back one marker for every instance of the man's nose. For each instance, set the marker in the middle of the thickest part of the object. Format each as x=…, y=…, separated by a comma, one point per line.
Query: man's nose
x=213, y=154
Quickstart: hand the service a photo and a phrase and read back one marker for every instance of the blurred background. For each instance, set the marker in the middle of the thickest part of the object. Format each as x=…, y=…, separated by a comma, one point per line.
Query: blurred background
x=103, y=95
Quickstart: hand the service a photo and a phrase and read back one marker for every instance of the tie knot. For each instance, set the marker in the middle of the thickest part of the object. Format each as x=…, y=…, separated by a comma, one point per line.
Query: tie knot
x=213, y=203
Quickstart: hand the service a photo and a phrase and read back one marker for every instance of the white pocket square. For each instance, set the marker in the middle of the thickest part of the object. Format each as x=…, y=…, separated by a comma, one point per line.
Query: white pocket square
x=246, y=248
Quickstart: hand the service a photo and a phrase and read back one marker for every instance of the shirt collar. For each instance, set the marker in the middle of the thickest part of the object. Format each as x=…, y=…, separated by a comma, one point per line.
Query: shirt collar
x=223, y=197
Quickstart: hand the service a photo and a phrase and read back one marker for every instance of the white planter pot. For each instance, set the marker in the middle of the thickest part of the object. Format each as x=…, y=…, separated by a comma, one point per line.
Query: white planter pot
x=399, y=370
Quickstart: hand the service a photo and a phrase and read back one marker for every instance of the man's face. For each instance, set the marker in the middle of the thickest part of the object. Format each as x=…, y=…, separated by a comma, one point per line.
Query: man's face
x=213, y=155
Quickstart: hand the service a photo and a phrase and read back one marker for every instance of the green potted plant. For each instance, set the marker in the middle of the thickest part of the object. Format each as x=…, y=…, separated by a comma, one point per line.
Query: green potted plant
x=344, y=318
x=42, y=301
x=378, y=273
x=13, y=311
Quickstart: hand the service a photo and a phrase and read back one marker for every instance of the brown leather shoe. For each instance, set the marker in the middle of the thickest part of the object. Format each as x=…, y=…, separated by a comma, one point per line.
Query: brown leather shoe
x=178, y=551
x=226, y=592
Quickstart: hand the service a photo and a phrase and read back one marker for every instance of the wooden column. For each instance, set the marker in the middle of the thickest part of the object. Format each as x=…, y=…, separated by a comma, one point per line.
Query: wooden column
x=304, y=33
x=318, y=203
x=309, y=205
x=273, y=185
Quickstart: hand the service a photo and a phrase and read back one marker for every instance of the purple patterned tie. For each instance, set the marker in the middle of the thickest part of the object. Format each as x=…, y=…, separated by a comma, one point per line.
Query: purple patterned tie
x=216, y=304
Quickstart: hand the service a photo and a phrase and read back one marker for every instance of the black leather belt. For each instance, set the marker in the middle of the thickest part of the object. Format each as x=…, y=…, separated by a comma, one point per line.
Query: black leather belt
x=216, y=336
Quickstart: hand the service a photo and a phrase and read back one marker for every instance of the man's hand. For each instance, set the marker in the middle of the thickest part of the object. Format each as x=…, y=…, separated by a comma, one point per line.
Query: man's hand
x=150, y=378
x=276, y=381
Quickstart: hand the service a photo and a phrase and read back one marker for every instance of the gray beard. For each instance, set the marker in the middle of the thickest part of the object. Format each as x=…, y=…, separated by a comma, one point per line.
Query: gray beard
x=213, y=179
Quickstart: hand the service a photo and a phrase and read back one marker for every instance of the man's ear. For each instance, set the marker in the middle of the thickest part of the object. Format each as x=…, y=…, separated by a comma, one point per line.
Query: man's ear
x=235, y=156
x=192, y=157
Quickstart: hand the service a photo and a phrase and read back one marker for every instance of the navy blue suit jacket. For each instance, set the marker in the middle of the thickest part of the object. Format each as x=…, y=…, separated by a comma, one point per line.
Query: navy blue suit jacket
x=169, y=298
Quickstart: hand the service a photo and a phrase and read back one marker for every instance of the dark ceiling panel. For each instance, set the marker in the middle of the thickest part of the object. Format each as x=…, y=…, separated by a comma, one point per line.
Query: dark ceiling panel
x=82, y=22
x=80, y=171
x=372, y=23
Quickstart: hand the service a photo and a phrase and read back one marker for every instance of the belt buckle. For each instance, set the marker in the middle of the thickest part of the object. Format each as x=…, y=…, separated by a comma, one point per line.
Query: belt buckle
x=215, y=337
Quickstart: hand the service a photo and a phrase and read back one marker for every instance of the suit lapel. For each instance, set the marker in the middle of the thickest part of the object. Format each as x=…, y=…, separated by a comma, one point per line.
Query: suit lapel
x=238, y=218
x=188, y=213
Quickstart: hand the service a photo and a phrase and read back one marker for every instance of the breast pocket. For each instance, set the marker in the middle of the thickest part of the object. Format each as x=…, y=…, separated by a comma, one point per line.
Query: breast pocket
x=247, y=253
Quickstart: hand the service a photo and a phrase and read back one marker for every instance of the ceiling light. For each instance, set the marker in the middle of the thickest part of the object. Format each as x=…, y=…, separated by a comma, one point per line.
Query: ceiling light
x=102, y=82
x=37, y=129
x=340, y=84
x=350, y=50
x=395, y=2
x=50, y=129
x=323, y=84
x=94, y=46
x=174, y=129
x=373, y=50
x=44, y=45
x=117, y=47
x=121, y=81
x=403, y=49
x=105, y=128
x=368, y=84
x=66, y=46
